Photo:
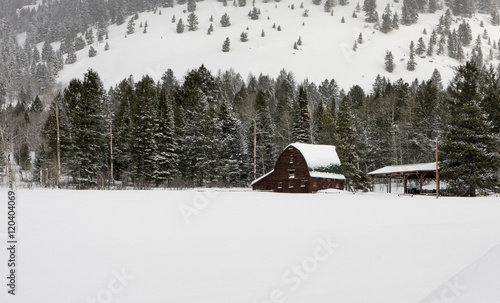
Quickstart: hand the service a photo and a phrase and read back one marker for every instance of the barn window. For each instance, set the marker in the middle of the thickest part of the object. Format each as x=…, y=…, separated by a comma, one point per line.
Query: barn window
x=291, y=159
x=315, y=183
x=291, y=173
x=291, y=185
x=280, y=185
x=337, y=185
x=303, y=183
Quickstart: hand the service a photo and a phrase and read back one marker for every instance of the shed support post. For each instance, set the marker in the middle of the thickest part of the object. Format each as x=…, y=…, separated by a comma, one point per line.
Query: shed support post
x=421, y=183
x=405, y=181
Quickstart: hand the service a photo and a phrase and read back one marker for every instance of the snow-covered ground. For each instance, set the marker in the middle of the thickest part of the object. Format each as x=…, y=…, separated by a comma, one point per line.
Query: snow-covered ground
x=326, y=52
x=246, y=247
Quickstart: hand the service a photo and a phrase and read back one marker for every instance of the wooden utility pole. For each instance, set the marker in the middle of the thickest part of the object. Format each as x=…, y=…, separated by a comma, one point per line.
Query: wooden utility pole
x=437, y=169
x=111, y=152
x=58, y=143
x=254, y=148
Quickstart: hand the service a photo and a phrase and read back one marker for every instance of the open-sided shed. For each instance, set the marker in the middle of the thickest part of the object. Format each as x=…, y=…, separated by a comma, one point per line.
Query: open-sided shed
x=420, y=172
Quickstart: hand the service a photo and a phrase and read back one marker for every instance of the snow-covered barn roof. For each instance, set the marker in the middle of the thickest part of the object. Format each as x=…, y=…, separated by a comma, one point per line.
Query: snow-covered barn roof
x=405, y=168
x=261, y=177
x=318, y=156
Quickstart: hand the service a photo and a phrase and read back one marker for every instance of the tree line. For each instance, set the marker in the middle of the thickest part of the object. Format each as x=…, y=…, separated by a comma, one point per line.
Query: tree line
x=221, y=130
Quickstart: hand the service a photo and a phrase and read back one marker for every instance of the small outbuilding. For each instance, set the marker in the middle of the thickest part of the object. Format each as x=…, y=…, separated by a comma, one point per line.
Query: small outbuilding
x=303, y=168
x=419, y=172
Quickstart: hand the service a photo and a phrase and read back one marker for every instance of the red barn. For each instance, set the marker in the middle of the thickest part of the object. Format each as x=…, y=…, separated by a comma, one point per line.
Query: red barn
x=303, y=168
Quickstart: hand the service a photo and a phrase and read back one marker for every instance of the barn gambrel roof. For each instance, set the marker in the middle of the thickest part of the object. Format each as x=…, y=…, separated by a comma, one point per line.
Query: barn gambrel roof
x=322, y=160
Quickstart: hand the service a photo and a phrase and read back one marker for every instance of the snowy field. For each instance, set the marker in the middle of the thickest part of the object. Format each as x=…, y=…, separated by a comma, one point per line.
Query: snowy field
x=246, y=247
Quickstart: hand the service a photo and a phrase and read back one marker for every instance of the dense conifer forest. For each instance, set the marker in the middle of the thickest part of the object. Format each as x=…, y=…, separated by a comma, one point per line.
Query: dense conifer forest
x=223, y=130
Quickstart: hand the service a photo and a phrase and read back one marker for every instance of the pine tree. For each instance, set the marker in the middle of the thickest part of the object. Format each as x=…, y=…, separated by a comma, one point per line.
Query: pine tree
x=495, y=17
x=210, y=29
x=395, y=21
x=180, y=26
x=433, y=6
x=302, y=124
x=254, y=15
x=92, y=52
x=389, y=62
x=226, y=45
x=347, y=136
x=370, y=8
x=420, y=47
x=411, y=62
x=470, y=150
x=47, y=51
x=131, y=26
x=224, y=21
x=191, y=6
x=192, y=22
x=232, y=150
x=329, y=4
x=71, y=58
x=106, y=47
x=143, y=144
x=89, y=36
x=386, y=20
x=360, y=38
x=85, y=112
x=244, y=37
x=409, y=12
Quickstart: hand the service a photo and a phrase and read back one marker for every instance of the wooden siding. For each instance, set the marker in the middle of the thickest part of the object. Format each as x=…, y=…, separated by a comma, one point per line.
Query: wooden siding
x=291, y=175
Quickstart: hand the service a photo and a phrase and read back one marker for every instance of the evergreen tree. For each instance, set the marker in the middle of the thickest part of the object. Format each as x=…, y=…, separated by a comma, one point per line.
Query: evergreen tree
x=180, y=26
x=244, y=37
x=224, y=21
x=71, y=58
x=226, y=45
x=192, y=22
x=131, y=26
x=191, y=5
x=89, y=36
x=347, y=148
x=47, y=51
x=143, y=145
x=395, y=21
x=411, y=62
x=79, y=43
x=470, y=151
x=329, y=4
x=302, y=125
x=495, y=17
x=409, y=12
x=254, y=14
x=389, y=62
x=433, y=6
x=92, y=52
x=420, y=47
x=262, y=132
x=370, y=8
x=386, y=20
x=232, y=150
x=85, y=112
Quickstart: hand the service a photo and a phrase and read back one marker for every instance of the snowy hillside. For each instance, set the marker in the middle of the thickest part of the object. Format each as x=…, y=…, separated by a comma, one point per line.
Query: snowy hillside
x=246, y=247
x=326, y=51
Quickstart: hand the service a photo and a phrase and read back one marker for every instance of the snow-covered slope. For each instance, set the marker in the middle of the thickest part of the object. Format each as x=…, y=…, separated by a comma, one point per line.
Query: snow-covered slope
x=326, y=52
x=241, y=247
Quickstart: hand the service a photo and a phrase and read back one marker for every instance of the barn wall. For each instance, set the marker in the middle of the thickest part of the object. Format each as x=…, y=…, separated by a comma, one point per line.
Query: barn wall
x=281, y=180
x=291, y=159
